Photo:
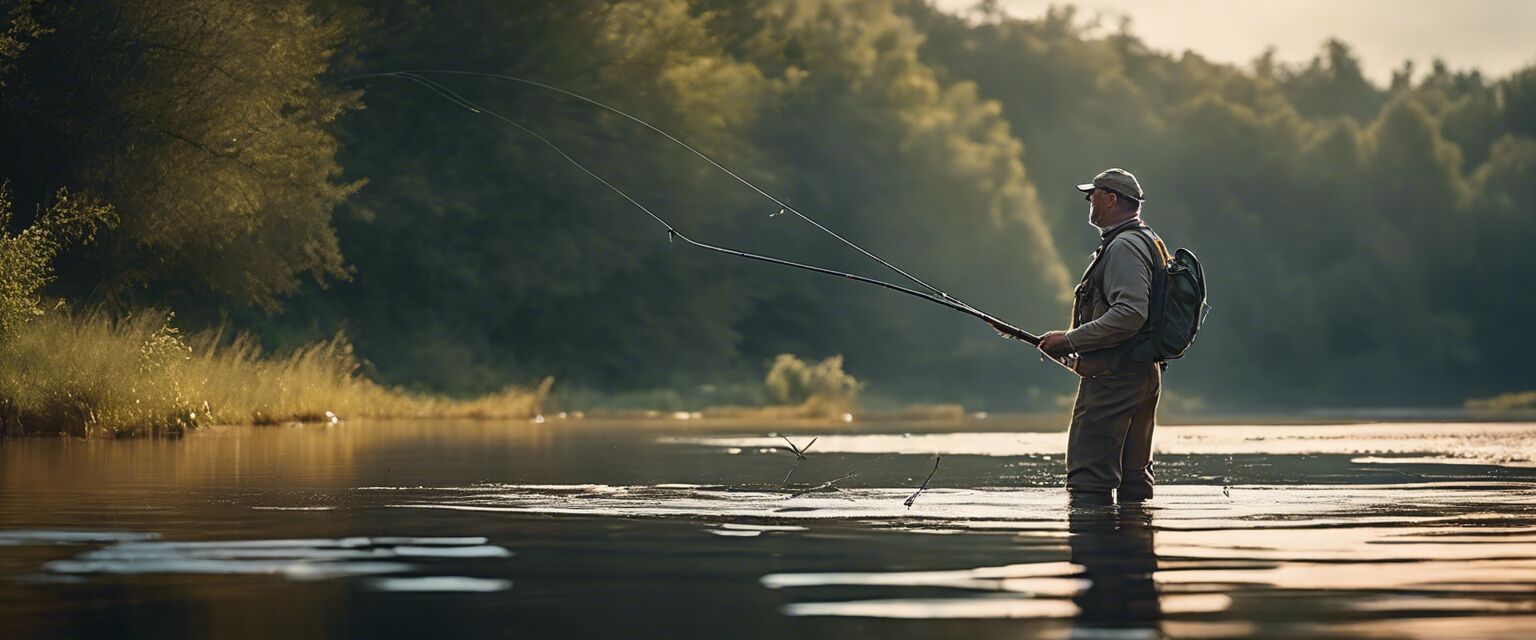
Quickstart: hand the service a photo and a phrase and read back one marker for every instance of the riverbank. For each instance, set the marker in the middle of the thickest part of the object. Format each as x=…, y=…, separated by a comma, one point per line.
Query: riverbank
x=92, y=375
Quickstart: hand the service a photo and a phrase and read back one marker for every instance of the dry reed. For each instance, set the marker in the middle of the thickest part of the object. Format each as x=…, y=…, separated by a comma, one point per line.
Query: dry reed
x=92, y=375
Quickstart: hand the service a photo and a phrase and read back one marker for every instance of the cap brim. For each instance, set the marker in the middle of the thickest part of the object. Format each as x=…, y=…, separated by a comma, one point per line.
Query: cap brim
x=1085, y=188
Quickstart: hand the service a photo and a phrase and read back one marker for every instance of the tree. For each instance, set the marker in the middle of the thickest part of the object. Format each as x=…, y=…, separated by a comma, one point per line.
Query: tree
x=204, y=124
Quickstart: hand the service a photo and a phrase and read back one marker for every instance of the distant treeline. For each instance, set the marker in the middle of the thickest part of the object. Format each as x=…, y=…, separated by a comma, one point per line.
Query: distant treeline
x=1366, y=245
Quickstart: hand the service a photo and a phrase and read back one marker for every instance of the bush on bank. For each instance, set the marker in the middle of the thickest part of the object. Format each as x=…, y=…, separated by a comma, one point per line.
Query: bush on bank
x=92, y=375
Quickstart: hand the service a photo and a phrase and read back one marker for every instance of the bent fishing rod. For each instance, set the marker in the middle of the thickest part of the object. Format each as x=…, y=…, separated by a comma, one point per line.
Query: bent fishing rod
x=936, y=296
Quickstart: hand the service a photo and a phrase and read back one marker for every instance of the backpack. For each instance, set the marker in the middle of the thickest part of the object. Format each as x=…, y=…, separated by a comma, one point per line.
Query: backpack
x=1175, y=310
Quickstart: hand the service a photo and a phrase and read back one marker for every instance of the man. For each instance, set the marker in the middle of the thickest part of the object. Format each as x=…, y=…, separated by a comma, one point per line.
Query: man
x=1109, y=446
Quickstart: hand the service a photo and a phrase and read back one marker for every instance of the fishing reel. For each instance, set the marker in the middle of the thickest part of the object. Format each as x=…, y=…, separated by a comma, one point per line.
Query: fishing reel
x=1068, y=362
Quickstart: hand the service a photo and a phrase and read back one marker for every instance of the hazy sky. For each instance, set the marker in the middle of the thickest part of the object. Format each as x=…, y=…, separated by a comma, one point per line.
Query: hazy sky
x=1496, y=36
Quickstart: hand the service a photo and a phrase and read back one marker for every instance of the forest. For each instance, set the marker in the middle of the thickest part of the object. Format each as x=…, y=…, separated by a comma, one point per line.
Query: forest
x=238, y=173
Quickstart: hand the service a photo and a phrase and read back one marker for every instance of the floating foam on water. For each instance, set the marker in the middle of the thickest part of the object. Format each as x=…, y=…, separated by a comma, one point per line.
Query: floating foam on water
x=441, y=541
x=733, y=529
x=295, y=559
x=480, y=551
x=735, y=534
x=936, y=608
x=981, y=577
x=288, y=543
x=761, y=527
x=16, y=537
x=321, y=508
x=457, y=584
x=294, y=570
x=981, y=608
x=1434, y=460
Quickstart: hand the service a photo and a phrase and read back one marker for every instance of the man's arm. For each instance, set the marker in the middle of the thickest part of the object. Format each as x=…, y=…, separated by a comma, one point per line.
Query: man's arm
x=1127, y=285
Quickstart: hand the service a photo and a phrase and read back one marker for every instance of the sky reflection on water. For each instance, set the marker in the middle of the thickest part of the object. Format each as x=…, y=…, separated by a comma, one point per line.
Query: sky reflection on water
x=598, y=531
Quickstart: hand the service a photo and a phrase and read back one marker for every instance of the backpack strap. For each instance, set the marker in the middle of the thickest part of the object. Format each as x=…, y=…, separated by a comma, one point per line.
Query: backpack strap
x=1157, y=243
x=1098, y=255
x=1082, y=291
x=1159, y=251
x=1156, y=304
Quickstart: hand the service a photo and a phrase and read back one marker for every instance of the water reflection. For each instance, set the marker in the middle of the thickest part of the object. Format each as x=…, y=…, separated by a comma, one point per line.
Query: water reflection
x=1509, y=445
x=682, y=536
x=295, y=559
x=1115, y=547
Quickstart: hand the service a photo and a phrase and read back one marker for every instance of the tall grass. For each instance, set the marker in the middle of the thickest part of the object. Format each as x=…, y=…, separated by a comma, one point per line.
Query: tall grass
x=1516, y=402
x=93, y=375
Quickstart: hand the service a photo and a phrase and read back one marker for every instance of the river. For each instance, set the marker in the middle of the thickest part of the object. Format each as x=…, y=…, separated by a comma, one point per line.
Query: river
x=669, y=528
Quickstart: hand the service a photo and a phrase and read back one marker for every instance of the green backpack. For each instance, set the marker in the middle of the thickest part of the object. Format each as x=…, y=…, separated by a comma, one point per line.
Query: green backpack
x=1176, y=309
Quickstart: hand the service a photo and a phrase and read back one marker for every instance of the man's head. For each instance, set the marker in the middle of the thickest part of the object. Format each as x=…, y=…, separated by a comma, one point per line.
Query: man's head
x=1114, y=196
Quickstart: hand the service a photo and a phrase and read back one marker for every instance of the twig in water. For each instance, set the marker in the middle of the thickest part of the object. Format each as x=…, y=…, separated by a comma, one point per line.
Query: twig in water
x=799, y=457
x=828, y=484
x=913, y=498
x=1226, y=483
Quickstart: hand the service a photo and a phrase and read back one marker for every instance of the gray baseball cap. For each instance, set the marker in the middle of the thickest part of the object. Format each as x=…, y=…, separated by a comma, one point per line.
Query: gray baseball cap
x=1117, y=180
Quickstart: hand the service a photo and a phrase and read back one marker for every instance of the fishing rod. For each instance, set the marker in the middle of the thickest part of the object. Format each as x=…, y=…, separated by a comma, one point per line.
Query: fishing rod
x=936, y=296
x=783, y=206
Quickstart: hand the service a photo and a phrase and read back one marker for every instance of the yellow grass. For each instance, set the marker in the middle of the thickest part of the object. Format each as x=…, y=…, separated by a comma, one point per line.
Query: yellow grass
x=1521, y=401
x=91, y=375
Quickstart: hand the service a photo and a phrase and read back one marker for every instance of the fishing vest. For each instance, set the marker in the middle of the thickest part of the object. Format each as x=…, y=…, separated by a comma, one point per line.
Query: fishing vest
x=1176, y=303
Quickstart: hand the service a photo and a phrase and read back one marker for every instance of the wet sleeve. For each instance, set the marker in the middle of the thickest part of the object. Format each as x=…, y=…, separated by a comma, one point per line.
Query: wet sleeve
x=1127, y=287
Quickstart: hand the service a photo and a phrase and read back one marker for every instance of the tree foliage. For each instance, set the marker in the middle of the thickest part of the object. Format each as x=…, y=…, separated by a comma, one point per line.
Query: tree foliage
x=1365, y=243
x=204, y=124
x=1344, y=223
x=518, y=264
x=26, y=256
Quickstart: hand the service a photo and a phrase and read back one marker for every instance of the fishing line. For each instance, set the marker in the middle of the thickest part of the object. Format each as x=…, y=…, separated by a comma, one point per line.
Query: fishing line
x=783, y=207
x=672, y=232
x=416, y=76
x=936, y=296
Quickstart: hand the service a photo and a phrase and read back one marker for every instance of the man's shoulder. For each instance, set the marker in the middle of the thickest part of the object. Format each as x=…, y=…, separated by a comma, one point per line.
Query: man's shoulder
x=1137, y=241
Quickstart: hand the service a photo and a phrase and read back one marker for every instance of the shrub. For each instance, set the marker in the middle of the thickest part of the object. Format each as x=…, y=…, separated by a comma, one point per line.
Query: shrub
x=92, y=375
x=822, y=388
x=26, y=257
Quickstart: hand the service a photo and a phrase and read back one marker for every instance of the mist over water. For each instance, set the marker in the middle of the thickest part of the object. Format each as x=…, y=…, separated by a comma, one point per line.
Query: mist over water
x=666, y=528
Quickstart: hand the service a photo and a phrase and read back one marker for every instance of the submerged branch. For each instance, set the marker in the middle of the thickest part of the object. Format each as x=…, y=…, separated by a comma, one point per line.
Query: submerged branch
x=799, y=457
x=828, y=484
x=913, y=498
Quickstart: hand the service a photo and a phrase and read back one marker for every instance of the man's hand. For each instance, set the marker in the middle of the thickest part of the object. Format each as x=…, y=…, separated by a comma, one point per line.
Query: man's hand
x=1054, y=344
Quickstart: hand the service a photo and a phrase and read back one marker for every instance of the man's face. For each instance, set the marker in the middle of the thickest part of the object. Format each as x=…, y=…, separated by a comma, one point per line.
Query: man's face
x=1099, y=203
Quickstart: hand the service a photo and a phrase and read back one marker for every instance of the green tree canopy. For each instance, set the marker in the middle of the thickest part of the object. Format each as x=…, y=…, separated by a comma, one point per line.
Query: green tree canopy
x=1365, y=243
x=205, y=124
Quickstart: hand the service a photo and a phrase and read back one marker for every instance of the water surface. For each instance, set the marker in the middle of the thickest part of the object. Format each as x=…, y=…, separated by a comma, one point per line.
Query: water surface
x=668, y=528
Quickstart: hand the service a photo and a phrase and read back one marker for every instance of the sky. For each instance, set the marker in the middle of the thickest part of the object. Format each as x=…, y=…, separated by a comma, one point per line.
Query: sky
x=1494, y=36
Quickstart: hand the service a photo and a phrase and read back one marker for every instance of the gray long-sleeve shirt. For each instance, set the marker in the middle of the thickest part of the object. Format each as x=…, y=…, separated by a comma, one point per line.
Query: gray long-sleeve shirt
x=1119, y=294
